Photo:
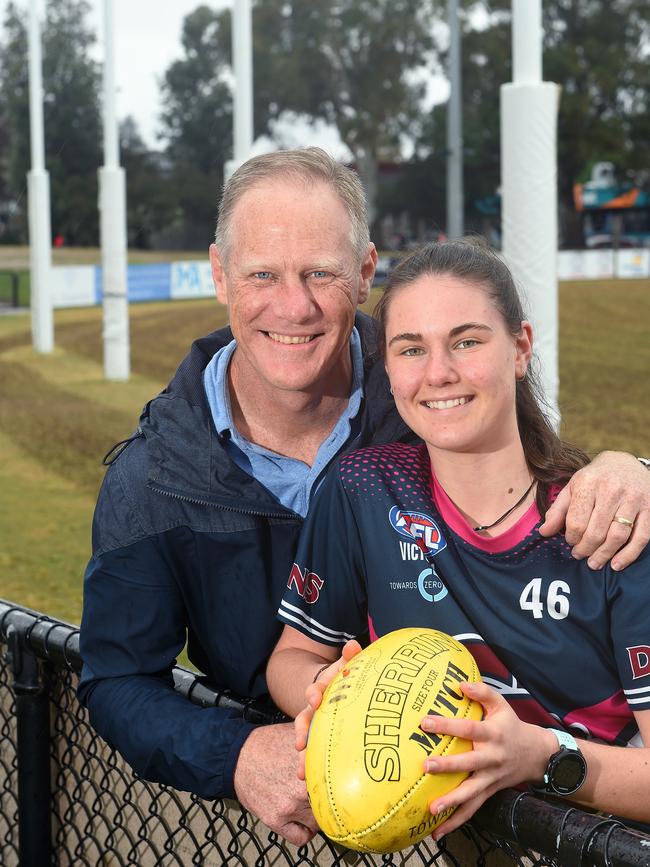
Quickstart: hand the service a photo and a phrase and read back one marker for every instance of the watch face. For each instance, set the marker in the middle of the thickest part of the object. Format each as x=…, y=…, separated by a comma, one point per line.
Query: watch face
x=568, y=773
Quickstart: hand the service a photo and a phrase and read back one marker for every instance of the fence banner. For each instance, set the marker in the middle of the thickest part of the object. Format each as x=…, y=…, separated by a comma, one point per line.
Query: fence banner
x=81, y=285
x=585, y=264
x=73, y=285
x=633, y=263
x=191, y=280
x=145, y=282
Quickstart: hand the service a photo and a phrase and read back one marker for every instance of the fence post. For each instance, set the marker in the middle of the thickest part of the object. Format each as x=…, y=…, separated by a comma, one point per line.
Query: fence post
x=33, y=750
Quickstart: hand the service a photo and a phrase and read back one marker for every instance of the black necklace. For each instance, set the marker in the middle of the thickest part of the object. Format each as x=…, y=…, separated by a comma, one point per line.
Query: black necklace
x=480, y=529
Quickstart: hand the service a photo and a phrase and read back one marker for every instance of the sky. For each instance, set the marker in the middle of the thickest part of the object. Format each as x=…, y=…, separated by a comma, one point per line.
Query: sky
x=147, y=40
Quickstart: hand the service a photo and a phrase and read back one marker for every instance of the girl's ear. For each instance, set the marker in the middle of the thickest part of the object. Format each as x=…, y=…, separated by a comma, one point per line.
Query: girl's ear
x=524, y=349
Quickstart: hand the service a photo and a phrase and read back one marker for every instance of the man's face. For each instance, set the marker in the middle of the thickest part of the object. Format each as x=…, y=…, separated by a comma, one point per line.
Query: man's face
x=292, y=282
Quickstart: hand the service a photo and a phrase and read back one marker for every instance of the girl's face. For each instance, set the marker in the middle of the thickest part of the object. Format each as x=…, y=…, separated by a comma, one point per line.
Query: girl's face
x=453, y=365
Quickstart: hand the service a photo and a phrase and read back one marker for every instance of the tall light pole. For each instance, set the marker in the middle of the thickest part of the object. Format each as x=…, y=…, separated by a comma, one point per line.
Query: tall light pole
x=38, y=192
x=242, y=59
x=455, y=195
x=112, y=205
x=529, y=187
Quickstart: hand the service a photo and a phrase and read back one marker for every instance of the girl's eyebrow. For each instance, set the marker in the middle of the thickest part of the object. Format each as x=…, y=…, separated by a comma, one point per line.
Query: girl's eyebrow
x=405, y=335
x=468, y=326
x=415, y=337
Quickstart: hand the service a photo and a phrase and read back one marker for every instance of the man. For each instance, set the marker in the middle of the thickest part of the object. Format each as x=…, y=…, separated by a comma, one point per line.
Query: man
x=198, y=518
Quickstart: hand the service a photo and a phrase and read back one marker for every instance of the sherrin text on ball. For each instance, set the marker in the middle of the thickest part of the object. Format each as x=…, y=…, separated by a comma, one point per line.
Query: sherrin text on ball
x=365, y=754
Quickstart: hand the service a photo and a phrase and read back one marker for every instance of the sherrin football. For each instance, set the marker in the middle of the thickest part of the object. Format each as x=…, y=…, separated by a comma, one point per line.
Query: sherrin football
x=365, y=753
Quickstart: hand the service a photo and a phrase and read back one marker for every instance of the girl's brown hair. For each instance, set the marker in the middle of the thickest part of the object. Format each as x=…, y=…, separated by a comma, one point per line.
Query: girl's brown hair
x=551, y=460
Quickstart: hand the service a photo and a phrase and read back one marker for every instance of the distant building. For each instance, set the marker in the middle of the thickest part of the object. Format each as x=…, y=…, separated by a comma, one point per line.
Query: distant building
x=613, y=214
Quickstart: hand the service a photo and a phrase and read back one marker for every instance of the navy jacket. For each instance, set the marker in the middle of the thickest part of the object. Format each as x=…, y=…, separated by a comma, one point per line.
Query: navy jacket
x=187, y=545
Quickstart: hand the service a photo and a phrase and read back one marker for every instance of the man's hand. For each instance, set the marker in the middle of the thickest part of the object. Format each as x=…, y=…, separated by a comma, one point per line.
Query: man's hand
x=267, y=784
x=613, y=484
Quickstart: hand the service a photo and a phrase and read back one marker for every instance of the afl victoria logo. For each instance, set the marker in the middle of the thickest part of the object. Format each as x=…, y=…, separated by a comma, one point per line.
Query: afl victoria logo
x=419, y=528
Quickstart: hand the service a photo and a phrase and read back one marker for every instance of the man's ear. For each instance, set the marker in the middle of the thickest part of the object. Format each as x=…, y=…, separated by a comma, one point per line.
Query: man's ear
x=368, y=268
x=218, y=274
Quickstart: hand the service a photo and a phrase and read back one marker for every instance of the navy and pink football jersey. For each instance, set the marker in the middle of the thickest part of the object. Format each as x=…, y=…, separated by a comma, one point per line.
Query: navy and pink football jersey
x=383, y=548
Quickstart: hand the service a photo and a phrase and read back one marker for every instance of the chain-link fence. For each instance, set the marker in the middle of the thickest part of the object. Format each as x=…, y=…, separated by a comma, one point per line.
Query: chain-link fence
x=66, y=798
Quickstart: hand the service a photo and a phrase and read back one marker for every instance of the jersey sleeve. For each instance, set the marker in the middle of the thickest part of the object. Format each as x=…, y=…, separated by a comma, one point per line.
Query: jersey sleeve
x=325, y=596
x=629, y=603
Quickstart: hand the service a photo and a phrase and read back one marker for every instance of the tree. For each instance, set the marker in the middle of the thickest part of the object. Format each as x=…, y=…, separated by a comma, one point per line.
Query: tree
x=196, y=124
x=355, y=63
x=595, y=50
x=150, y=204
x=14, y=98
x=5, y=204
x=348, y=62
x=71, y=115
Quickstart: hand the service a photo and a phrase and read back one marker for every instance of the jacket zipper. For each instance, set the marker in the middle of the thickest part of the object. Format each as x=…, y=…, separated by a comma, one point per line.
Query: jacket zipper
x=198, y=502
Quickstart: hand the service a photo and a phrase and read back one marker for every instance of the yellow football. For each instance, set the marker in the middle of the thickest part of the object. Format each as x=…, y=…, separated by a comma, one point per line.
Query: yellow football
x=365, y=754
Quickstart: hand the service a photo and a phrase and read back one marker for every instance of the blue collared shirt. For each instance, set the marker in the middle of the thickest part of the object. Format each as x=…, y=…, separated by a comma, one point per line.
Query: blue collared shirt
x=288, y=479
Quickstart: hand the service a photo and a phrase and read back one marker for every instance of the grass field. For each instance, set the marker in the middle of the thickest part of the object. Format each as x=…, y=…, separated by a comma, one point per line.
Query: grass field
x=58, y=416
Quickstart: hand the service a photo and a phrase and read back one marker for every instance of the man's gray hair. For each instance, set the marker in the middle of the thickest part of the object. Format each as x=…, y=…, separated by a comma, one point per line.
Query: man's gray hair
x=304, y=164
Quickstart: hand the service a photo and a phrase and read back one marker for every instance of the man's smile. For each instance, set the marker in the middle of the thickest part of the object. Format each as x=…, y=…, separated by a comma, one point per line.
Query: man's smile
x=290, y=338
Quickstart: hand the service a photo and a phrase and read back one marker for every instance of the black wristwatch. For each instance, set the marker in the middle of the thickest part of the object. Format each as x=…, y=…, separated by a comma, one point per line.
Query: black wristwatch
x=566, y=770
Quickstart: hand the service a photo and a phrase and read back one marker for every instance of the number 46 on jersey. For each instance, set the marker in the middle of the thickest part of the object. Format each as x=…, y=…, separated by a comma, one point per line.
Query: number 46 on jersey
x=554, y=601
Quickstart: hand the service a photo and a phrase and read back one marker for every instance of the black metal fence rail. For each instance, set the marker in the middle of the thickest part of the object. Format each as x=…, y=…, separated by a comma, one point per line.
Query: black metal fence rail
x=66, y=798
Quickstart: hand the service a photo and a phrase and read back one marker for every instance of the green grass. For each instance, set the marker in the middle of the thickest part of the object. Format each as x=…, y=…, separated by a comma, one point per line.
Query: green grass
x=605, y=364
x=58, y=416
